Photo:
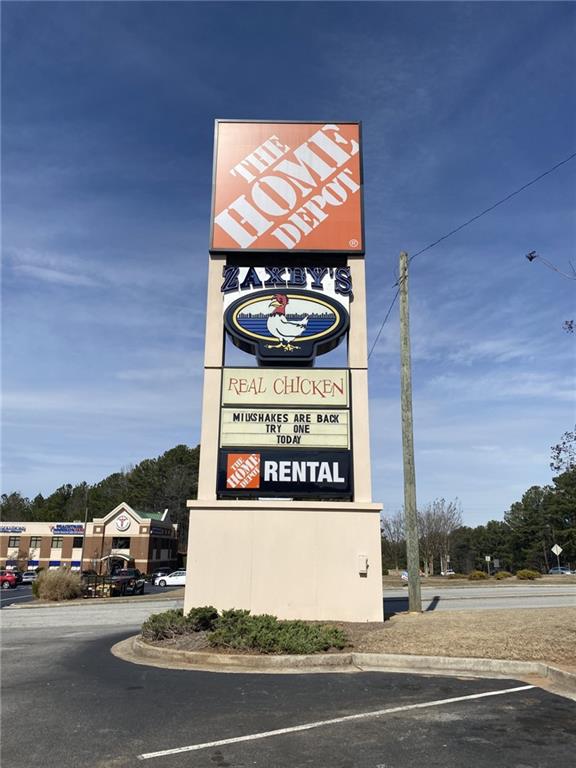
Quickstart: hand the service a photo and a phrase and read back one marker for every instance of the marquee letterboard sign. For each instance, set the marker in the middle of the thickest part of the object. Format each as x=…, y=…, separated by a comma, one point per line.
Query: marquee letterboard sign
x=285, y=432
x=287, y=186
x=296, y=427
x=286, y=316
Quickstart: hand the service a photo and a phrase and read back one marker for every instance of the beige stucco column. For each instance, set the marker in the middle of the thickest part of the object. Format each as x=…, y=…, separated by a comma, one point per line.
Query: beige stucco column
x=213, y=362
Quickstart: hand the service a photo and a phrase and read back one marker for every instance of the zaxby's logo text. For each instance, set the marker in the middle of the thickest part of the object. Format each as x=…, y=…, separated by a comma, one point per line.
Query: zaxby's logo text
x=287, y=186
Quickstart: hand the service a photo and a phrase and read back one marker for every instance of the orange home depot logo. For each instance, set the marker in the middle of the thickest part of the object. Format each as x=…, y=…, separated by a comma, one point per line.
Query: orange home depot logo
x=287, y=186
x=243, y=470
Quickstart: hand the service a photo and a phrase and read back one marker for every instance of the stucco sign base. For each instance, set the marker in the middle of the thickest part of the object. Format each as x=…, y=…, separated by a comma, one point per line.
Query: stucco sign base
x=295, y=560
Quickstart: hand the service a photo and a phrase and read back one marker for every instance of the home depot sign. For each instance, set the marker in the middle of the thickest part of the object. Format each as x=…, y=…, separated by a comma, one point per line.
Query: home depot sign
x=287, y=187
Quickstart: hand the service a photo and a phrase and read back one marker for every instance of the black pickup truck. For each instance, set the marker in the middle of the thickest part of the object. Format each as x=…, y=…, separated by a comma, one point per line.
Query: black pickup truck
x=128, y=581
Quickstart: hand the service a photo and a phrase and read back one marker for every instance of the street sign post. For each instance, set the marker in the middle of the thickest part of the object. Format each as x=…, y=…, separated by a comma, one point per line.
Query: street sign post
x=557, y=549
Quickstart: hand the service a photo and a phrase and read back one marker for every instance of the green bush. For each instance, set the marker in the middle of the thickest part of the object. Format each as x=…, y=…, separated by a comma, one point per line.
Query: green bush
x=502, y=575
x=169, y=624
x=527, y=575
x=385, y=572
x=239, y=630
x=61, y=584
x=202, y=619
x=457, y=576
x=165, y=626
x=477, y=576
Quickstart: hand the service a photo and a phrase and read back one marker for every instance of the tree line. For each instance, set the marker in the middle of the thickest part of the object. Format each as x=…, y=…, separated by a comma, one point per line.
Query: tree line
x=153, y=485
x=543, y=517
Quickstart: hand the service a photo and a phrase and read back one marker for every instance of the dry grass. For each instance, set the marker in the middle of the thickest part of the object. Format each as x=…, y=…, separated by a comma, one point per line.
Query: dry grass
x=543, y=634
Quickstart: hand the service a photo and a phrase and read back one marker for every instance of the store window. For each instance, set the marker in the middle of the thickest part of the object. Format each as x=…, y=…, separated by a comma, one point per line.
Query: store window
x=121, y=542
x=35, y=542
x=14, y=541
x=57, y=542
x=77, y=542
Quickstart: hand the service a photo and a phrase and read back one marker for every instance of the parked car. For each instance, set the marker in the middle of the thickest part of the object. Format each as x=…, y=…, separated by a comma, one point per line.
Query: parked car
x=29, y=577
x=7, y=580
x=177, y=578
x=159, y=572
x=449, y=572
x=559, y=571
x=17, y=574
x=127, y=580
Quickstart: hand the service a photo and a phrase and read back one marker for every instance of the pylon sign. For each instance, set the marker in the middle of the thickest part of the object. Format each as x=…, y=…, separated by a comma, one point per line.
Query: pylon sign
x=290, y=188
x=287, y=186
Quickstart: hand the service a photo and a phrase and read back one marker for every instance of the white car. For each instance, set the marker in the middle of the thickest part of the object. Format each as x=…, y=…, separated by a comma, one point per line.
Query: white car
x=29, y=577
x=177, y=578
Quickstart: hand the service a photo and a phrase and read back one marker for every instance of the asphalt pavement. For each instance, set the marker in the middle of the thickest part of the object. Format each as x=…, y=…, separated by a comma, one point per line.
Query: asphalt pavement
x=22, y=594
x=68, y=702
x=396, y=600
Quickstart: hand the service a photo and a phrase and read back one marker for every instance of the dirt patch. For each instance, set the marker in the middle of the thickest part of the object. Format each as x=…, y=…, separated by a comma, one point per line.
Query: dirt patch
x=546, y=634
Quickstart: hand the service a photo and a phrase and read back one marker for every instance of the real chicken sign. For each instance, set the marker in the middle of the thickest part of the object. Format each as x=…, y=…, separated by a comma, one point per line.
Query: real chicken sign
x=287, y=187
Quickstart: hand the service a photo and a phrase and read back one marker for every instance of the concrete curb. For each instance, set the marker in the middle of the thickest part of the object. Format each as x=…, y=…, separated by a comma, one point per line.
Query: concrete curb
x=135, y=650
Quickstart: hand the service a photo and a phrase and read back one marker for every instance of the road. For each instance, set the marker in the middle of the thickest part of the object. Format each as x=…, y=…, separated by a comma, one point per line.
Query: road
x=482, y=598
x=68, y=702
x=22, y=594
x=396, y=600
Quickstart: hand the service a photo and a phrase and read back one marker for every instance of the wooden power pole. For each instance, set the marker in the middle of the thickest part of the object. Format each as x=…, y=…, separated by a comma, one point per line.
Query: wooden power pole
x=412, y=549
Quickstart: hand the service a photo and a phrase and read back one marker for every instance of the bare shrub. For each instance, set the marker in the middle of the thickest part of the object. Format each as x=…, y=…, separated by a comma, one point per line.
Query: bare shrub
x=62, y=584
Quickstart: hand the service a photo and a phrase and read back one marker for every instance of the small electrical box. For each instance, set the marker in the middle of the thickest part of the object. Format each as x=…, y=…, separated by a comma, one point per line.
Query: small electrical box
x=363, y=565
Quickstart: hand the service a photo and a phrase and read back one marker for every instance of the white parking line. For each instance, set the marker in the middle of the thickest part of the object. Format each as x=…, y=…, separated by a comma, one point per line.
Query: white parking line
x=21, y=597
x=333, y=721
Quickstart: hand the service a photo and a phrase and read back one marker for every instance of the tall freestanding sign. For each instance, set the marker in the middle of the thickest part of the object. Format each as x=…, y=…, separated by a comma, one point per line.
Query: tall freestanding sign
x=284, y=521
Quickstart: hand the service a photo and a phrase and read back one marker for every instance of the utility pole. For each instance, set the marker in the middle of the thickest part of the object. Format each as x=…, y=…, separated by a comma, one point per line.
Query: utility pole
x=412, y=548
x=85, y=527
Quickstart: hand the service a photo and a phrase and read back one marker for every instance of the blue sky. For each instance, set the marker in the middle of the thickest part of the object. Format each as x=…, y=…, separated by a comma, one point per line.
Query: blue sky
x=107, y=126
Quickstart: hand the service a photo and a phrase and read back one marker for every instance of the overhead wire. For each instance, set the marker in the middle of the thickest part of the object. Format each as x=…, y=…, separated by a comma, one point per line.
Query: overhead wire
x=459, y=228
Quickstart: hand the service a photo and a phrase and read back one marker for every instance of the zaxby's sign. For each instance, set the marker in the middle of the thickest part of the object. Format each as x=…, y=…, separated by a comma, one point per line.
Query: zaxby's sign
x=287, y=187
x=286, y=315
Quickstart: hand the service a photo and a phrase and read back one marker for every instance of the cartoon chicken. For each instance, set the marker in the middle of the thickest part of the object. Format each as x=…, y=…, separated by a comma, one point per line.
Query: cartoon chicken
x=282, y=328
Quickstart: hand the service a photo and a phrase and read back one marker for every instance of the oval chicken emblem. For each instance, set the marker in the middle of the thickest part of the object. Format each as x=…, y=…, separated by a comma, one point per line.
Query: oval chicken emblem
x=286, y=327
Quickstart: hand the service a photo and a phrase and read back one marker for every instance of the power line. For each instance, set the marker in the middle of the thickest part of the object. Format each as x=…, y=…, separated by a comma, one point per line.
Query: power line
x=462, y=226
x=491, y=208
x=384, y=322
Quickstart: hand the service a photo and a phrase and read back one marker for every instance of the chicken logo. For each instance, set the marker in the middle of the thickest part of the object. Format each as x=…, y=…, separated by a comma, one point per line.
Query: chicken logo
x=284, y=330
x=288, y=328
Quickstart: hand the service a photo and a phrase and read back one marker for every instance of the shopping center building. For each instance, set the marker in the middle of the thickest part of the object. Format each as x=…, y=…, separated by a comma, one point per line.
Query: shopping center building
x=124, y=538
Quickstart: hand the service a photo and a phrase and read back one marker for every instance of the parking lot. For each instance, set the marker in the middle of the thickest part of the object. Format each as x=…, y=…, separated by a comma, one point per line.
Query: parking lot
x=95, y=710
